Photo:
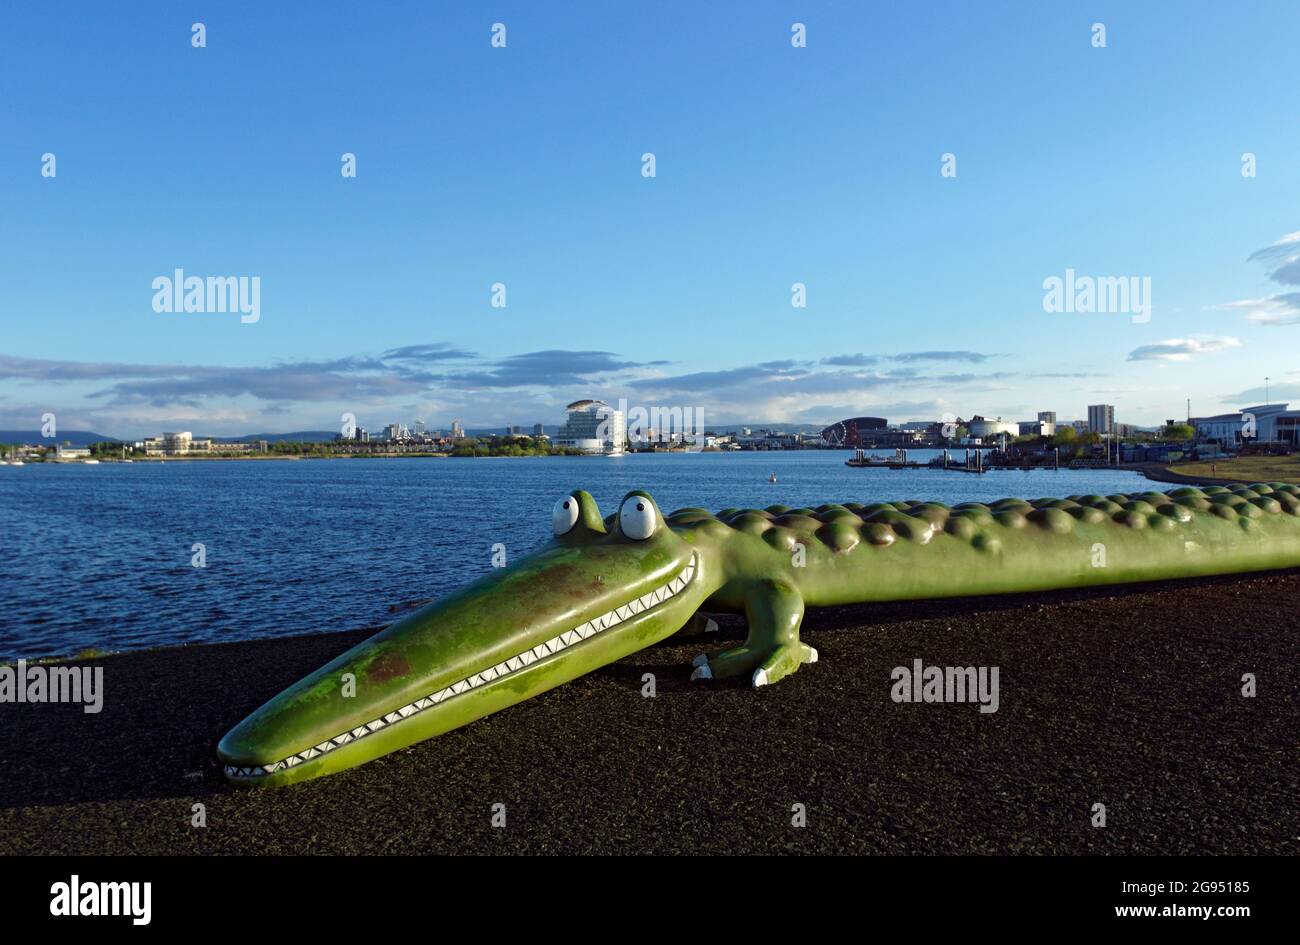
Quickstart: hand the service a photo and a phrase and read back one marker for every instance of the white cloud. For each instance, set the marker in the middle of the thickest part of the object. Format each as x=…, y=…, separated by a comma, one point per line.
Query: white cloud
x=1182, y=349
x=1284, y=258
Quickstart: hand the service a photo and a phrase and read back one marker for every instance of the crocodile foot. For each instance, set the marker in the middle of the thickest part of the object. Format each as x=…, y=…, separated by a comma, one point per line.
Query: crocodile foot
x=762, y=666
x=783, y=661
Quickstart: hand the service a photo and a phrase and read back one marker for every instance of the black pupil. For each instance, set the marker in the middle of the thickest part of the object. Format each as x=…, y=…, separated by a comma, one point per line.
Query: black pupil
x=566, y=505
x=640, y=507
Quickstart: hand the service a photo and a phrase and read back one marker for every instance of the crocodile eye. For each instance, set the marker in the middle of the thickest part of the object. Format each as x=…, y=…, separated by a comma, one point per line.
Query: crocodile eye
x=636, y=519
x=565, y=515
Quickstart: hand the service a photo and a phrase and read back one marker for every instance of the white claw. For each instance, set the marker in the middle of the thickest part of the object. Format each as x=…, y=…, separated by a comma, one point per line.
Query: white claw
x=701, y=659
x=710, y=625
x=702, y=672
x=812, y=655
x=760, y=678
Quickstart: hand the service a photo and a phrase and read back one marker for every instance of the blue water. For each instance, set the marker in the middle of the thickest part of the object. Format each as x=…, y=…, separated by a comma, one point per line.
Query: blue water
x=100, y=556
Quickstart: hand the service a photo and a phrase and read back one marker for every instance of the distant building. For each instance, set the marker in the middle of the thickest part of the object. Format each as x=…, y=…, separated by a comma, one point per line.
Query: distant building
x=1265, y=423
x=1101, y=418
x=457, y=431
x=1037, y=427
x=419, y=428
x=539, y=429
x=593, y=426
x=62, y=453
x=985, y=428
x=852, y=432
x=1047, y=416
x=176, y=444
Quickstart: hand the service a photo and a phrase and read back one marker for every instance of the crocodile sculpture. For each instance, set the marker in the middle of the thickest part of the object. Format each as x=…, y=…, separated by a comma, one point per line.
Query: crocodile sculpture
x=607, y=587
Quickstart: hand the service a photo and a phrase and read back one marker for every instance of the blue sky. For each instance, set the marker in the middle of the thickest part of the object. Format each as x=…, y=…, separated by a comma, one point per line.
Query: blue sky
x=522, y=165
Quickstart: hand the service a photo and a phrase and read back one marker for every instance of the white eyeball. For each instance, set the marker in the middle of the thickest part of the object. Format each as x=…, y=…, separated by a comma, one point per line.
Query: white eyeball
x=636, y=519
x=565, y=515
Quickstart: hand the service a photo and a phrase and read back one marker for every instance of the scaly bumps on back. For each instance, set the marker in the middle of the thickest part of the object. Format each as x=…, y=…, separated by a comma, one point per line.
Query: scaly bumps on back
x=841, y=527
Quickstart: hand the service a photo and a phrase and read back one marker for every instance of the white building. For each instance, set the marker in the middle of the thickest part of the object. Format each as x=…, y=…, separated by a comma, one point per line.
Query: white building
x=1266, y=423
x=1224, y=429
x=593, y=426
x=983, y=428
x=176, y=444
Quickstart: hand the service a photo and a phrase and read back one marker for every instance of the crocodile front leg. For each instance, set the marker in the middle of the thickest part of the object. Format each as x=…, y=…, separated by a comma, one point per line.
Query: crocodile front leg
x=773, y=610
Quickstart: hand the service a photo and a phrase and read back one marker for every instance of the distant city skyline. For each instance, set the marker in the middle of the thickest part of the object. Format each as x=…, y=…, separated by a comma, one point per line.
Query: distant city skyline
x=923, y=211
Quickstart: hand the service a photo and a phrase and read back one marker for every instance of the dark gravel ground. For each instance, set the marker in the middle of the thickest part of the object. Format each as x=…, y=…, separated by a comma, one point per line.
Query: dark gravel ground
x=1129, y=697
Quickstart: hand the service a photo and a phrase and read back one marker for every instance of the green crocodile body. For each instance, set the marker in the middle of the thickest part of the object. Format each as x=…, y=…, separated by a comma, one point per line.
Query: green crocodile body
x=607, y=587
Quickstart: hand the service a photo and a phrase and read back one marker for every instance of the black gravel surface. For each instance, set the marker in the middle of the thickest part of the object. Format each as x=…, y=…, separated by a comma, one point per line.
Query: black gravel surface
x=1126, y=697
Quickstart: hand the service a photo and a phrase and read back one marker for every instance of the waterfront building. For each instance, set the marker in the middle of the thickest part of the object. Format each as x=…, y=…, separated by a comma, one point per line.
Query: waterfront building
x=1224, y=430
x=1265, y=423
x=176, y=444
x=539, y=429
x=1101, y=418
x=852, y=432
x=419, y=428
x=983, y=428
x=593, y=426
x=457, y=431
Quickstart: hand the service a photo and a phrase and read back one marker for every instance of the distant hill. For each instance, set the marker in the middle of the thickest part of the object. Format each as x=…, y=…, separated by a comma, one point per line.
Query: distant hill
x=75, y=437
x=767, y=425
x=301, y=436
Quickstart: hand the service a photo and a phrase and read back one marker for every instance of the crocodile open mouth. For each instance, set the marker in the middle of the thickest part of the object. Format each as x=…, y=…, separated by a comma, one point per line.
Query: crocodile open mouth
x=514, y=664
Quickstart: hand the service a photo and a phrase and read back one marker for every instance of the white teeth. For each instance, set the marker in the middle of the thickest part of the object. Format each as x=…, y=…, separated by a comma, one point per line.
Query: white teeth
x=515, y=663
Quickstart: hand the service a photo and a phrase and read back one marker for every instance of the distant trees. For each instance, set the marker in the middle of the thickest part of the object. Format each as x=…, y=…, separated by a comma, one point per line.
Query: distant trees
x=1065, y=436
x=1177, y=431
